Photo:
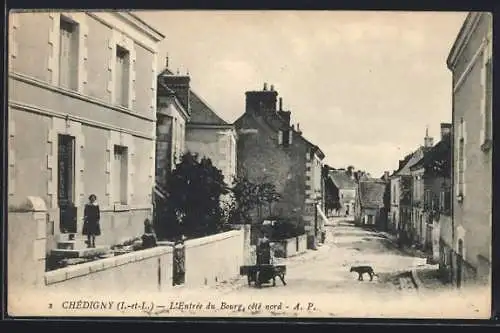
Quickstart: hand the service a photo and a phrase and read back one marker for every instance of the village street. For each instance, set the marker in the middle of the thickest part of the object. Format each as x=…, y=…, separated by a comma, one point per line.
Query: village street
x=319, y=282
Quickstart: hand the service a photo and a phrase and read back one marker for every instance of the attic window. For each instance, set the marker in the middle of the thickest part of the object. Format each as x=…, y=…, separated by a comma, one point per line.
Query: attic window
x=285, y=138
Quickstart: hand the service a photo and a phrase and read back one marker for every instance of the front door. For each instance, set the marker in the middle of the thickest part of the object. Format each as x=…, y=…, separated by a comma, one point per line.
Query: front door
x=66, y=183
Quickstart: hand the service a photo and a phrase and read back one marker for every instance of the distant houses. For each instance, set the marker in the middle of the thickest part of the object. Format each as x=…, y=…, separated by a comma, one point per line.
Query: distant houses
x=441, y=194
x=343, y=183
x=369, y=206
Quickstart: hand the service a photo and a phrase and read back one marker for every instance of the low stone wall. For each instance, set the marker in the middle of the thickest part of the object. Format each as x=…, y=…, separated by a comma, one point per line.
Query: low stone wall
x=301, y=244
x=290, y=247
x=27, y=240
x=214, y=258
x=140, y=271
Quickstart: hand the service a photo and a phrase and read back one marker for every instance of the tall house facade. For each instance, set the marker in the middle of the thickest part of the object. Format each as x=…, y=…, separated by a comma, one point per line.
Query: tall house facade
x=270, y=149
x=470, y=61
x=82, y=104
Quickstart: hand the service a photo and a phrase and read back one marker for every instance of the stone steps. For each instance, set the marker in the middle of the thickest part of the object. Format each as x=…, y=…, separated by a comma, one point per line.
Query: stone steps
x=71, y=244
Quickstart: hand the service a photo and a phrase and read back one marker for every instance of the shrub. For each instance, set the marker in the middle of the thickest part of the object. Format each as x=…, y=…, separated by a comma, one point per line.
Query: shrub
x=192, y=207
x=286, y=228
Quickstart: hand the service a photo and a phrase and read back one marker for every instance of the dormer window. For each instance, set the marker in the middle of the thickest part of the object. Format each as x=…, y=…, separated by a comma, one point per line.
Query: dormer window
x=285, y=138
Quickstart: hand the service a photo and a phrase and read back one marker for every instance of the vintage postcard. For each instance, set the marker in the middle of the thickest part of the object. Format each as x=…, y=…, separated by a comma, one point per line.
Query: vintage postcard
x=250, y=164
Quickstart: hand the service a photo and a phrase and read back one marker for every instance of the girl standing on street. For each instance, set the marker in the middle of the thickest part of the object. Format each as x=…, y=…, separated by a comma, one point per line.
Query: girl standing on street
x=91, y=217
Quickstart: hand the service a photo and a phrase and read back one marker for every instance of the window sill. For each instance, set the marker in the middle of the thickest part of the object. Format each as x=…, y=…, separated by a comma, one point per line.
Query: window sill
x=121, y=208
x=486, y=146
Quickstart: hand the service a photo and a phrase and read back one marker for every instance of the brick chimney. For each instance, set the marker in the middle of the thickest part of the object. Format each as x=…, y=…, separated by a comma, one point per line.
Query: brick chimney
x=180, y=85
x=428, y=141
x=284, y=114
x=445, y=129
x=298, y=129
x=261, y=101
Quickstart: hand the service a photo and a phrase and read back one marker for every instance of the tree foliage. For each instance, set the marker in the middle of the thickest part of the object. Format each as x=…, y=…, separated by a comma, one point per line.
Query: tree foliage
x=249, y=196
x=194, y=191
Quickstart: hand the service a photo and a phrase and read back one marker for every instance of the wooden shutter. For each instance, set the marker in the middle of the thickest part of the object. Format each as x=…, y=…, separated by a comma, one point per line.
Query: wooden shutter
x=280, y=137
x=119, y=78
x=117, y=171
x=65, y=55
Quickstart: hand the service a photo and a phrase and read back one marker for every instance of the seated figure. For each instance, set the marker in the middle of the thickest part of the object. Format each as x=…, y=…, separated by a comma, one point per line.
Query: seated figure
x=149, y=237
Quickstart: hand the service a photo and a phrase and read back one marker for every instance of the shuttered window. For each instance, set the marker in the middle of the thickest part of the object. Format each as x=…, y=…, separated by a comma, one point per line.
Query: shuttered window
x=120, y=175
x=68, y=65
x=121, y=77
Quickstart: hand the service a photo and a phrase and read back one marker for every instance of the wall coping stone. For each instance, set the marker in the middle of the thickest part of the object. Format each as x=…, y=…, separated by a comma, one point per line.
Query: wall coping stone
x=212, y=238
x=66, y=273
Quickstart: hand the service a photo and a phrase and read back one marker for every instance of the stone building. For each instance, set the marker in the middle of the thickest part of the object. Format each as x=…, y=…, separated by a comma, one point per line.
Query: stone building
x=395, y=188
x=417, y=174
x=434, y=169
x=205, y=132
x=346, y=185
x=82, y=104
x=470, y=61
x=271, y=149
x=369, y=205
x=402, y=197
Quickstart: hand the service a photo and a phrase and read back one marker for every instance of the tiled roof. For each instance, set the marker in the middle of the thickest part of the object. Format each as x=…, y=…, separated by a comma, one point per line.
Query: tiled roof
x=201, y=112
x=412, y=160
x=371, y=193
x=341, y=179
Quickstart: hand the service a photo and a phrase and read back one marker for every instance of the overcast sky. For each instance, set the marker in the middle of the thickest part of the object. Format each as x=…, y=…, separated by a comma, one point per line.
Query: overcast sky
x=362, y=85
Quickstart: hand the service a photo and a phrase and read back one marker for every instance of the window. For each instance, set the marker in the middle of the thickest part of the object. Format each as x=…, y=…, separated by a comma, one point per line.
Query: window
x=461, y=158
x=487, y=111
x=286, y=138
x=394, y=194
x=122, y=76
x=445, y=201
x=427, y=199
x=68, y=54
x=120, y=175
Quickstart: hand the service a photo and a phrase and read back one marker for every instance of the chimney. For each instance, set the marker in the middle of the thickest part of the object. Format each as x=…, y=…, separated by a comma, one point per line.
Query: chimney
x=445, y=129
x=180, y=85
x=285, y=115
x=261, y=101
x=298, y=129
x=428, y=141
x=272, y=87
x=166, y=61
x=401, y=164
x=386, y=175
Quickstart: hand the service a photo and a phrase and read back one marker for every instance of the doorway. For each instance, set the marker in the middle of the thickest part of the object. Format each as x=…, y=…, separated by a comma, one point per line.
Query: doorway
x=66, y=183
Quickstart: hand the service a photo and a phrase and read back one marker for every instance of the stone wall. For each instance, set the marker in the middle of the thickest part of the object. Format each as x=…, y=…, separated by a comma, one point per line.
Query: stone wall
x=26, y=243
x=141, y=271
x=214, y=258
